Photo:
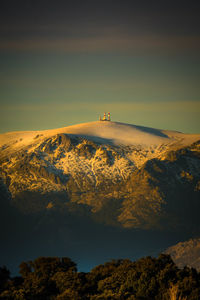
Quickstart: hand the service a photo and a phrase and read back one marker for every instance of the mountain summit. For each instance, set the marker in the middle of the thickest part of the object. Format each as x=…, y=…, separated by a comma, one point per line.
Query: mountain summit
x=102, y=131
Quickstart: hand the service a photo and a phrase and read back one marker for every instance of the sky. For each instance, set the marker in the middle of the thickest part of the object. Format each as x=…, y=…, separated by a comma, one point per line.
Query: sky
x=66, y=62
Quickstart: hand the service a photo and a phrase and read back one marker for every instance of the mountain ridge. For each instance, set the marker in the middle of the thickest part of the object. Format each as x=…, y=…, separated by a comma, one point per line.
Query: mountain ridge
x=108, y=130
x=186, y=253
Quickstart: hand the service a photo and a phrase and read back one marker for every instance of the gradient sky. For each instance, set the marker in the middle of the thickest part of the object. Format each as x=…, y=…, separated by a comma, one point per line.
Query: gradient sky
x=66, y=62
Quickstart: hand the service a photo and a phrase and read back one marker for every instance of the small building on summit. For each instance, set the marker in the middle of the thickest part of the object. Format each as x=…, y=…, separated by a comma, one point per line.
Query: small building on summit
x=105, y=117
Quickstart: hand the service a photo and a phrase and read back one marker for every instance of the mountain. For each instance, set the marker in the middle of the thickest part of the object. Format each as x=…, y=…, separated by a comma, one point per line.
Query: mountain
x=100, y=181
x=122, y=174
x=186, y=253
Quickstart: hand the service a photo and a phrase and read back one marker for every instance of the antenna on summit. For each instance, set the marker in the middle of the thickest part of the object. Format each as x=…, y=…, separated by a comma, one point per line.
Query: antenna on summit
x=105, y=118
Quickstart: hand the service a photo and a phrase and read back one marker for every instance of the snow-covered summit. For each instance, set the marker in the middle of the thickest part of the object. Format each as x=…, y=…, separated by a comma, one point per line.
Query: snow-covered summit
x=102, y=131
x=127, y=134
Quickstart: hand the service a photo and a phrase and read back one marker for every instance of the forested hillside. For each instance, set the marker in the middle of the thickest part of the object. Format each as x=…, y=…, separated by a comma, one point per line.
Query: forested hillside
x=58, y=279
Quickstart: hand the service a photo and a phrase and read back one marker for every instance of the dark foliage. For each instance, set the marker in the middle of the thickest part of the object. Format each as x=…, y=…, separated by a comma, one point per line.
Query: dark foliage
x=57, y=278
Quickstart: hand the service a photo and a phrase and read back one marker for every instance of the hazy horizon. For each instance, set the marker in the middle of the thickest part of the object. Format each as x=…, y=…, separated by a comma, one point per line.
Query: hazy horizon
x=64, y=63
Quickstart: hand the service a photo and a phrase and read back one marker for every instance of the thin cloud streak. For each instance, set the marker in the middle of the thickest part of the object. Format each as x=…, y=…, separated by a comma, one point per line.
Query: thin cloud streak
x=106, y=43
x=175, y=106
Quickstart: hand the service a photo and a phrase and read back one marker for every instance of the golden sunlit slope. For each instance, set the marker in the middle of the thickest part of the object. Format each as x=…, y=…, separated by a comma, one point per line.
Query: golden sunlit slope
x=101, y=131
